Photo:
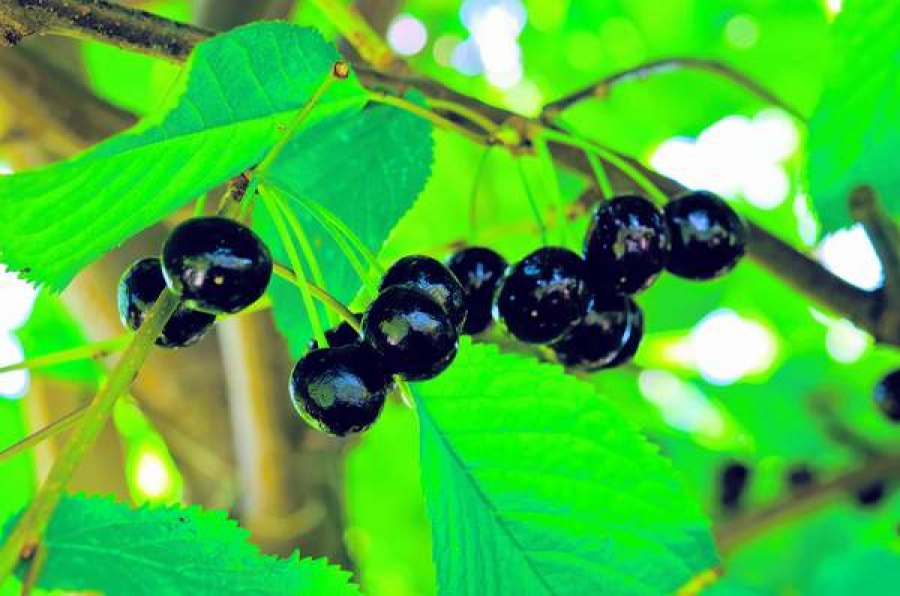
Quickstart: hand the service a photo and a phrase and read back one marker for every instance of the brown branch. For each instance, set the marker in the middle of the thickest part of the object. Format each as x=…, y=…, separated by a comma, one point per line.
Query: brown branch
x=740, y=529
x=221, y=15
x=866, y=209
x=108, y=22
x=602, y=88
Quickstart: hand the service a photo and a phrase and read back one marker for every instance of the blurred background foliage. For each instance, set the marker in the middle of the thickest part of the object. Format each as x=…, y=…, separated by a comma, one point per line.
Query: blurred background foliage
x=738, y=368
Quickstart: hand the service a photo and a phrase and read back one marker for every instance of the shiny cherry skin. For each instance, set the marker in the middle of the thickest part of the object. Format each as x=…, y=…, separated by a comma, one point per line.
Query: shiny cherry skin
x=543, y=296
x=339, y=390
x=479, y=270
x=708, y=237
x=632, y=338
x=887, y=396
x=627, y=244
x=411, y=332
x=140, y=286
x=596, y=341
x=216, y=265
x=432, y=277
x=340, y=335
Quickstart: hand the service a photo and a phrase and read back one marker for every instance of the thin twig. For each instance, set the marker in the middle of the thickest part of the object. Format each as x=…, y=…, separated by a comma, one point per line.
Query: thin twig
x=742, y=528
x=602, y=88
x=48, y=432
x=357, y=31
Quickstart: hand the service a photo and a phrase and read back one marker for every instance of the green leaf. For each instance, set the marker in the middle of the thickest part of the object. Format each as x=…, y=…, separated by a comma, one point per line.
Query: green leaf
x=875, y=569
x=236, y=90
x=528, y=471
x=18, y=473
x=855, y=131
x=102, y=546
x=368, y=171
x=388, y=531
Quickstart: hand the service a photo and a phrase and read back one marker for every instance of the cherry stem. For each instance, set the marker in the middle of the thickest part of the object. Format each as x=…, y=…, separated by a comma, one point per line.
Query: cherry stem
x=423, y=112
x=480, y=169
x=600, y=176
x=321, y=295
x=278, y=219
x=92, y=351
x=532, y=202
x=31, y=526
x=48, y=432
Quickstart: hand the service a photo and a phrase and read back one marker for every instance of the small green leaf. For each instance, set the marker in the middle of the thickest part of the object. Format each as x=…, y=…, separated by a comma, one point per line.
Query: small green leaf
x=236, y=90
x=98, y=545
x=855, y=131
x=528, y=471
x=368, y=170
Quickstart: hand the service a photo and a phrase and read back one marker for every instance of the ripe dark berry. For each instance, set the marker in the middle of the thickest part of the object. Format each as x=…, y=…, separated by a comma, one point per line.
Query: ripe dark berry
x=341, y=335
x=432, y=277
x=339, y=390
x=800, y=477
x=627, y=244
x=887, y=395
x=634, y=336
x=412, y=333
x=596, y=341
x=871, y=495
x=216, y=265
x=708, y=237
x=543, y=296
x=479, y=270
x=732, y=484
x=140, y=286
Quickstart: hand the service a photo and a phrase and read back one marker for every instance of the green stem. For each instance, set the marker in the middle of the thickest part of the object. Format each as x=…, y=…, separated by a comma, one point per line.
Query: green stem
x=629, y=170
x=600, y=175
x=48, y=432
x=435, y=119
x=473, y=193
x=91, y=351
x=338, y=72
x=309, y=255
x=30, y=527
x=321, y=295
x=469, y=114
x=549, y=172
x=294, y=258
x=354, y=28
x=200, y=205
x=532, y=202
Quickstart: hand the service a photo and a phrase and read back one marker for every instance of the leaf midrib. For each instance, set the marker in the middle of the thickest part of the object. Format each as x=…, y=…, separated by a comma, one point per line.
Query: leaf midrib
x=498, y=518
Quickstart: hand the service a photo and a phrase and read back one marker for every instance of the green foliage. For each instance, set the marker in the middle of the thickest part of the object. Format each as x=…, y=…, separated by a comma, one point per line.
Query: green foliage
x=17, y=473
x=874, y=569
x=236, y=90
x=855, y=132
x=388, y=530
x=98, y=545
x=51, y=328
x=536, y=485
x=367, y=170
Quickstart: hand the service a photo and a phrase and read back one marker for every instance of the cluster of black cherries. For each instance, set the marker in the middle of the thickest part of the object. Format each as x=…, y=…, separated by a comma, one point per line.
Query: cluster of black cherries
x=579, y=306
x=734, y=476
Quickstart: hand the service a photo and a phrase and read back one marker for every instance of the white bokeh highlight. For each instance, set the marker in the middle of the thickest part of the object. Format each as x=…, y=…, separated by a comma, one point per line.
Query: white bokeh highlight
x=726, y=347
x=16, y=302
x=152, y=475
x=12, y=384
x=493, y=48
x=735, y=157
x=845, y=343
x=849, y=254
x=407, y=35
x=682, y=405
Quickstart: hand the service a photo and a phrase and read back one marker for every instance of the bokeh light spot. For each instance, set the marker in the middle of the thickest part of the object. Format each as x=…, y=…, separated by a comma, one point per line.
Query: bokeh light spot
x=407, y=35
x=727, y=347
x=848, y=254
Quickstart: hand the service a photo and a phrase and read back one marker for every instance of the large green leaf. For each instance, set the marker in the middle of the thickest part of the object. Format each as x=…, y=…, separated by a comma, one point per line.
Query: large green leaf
x=98, y=545
x=238, y=88
x=855, y=131
x=536, y=485
x=387, y=526
x=367, y=170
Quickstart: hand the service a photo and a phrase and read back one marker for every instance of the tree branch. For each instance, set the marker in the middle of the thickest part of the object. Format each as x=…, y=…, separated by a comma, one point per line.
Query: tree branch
x=742, y=528
x=604, y=86
x=112, y=23
x=866, y=209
